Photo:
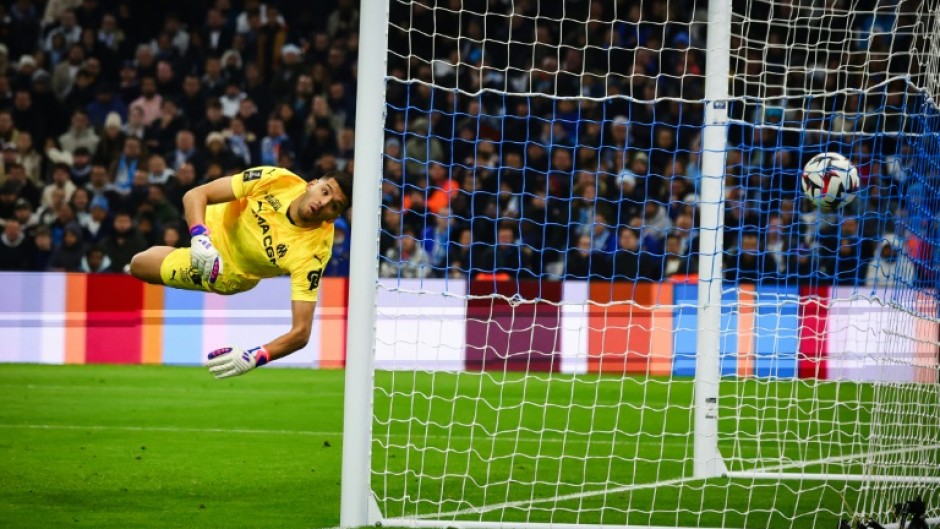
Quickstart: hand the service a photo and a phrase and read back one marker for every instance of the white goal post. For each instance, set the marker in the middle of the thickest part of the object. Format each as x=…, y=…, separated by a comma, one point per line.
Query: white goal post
x=585, y=290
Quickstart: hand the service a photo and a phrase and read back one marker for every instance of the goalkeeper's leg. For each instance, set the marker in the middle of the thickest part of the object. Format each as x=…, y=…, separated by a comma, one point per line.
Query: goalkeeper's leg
x=146, y=265
x=165, y=265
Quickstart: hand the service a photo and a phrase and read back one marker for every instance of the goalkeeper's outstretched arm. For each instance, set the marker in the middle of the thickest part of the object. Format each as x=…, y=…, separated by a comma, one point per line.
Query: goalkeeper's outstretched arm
x=232, y=361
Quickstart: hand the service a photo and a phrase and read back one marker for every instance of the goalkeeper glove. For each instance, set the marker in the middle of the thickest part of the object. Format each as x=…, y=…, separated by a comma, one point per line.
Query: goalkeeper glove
x=205, y=258
x=233, y=361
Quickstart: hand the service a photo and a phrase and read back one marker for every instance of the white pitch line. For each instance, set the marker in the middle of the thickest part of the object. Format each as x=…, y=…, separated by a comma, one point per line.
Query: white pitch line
x=169, y=389
x=623, y=440
x=183, y=429
x=174, y=429
x=639, y=486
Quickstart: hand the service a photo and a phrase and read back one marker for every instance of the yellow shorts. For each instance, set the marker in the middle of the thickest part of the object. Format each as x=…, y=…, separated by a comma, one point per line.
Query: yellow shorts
x=177, y=272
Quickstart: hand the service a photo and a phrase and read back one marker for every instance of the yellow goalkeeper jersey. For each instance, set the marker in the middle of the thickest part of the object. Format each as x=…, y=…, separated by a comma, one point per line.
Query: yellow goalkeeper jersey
x=256, y=239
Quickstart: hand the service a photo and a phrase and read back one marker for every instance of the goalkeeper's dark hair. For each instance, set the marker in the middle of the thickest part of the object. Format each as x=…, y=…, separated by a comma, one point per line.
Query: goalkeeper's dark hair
x=345, y=182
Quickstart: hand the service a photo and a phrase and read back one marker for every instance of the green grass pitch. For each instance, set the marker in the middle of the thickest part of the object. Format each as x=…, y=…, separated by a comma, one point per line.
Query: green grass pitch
x=154, y=446
x=158, y=446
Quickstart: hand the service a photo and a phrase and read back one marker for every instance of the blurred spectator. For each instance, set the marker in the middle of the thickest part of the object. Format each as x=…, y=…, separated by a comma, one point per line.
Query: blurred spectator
x=124, y=242
x=80, y=134
x=216, y=34
x=170, y=236
x=407, y=259
x=100, y=185
x=23, y=213
x=47, y=214
x=185, y=152
x=27, y=116
x=8, y=158
x=602, y=233
x=95, y=260
x=150, y=101
x=63, y=21
x=891, y=265
x=506, y=256
x=343, y=20
x=160, y=136
x=437, y=238
x=61, y=179
x=8, y=130
x=339, y=262
x=178, y=184
x=110, y=35
x=135, y=125
x=275, y=142
x=83, y=89
x=631, y=262
x=584, y=262
x=80, y=171
x=213, y=82
x=64, y=215
x=112, y=140
x=27, y=156
x=162, y=212
x=748, y=263
x=81, y=205
x=128, y=87
x=15, y=247
x=65, y=72
x=104, y=105
x=192, y=102
x=157, y=171
x=146, y=225
x=67, y=256
x=127, y=165
x=22, y=186
x=214, y=121
x=217, y=152
x=42, y=249
x=97, y=223
x=676, y=263
x=231, y=99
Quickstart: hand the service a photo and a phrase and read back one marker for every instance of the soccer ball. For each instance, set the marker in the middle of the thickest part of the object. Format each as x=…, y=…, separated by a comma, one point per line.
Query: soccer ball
x=830, y=180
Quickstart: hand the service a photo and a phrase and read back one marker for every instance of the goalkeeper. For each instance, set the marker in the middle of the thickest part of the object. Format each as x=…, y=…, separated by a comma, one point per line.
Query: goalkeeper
x=263, y=222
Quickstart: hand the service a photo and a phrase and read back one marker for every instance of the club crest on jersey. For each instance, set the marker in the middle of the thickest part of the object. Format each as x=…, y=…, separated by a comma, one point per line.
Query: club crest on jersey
x=281, y=251
x=275, y=203
x=251, y=174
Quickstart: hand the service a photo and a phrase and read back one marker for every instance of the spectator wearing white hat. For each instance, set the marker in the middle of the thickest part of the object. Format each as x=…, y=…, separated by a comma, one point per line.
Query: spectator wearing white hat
x=25, y=68
x=217, y=151
x=289, y=68
x=112, y=140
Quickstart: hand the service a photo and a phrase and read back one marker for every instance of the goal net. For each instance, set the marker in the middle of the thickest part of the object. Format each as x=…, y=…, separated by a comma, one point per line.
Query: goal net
x=602, y=299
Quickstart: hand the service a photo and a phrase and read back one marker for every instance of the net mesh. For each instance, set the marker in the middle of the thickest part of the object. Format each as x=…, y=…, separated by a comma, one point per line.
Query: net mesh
x=538, y=301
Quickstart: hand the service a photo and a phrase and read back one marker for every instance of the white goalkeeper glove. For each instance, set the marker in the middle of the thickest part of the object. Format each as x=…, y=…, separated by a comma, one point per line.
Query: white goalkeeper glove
x=205, y=258
x=233, y=361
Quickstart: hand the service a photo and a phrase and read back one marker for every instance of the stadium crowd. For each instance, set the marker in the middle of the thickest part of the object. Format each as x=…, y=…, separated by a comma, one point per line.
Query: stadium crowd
x=110, y=110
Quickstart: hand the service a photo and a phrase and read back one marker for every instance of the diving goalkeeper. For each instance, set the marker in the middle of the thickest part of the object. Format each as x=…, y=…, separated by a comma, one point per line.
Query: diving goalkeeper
x=263, y=222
